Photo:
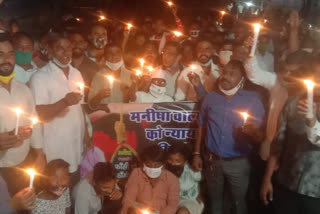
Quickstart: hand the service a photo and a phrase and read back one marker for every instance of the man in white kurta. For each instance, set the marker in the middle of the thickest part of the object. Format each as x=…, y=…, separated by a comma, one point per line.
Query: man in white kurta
x=55, y=89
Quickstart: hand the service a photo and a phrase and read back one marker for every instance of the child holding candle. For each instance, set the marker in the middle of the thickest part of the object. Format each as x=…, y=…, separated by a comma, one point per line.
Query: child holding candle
x=54, y=196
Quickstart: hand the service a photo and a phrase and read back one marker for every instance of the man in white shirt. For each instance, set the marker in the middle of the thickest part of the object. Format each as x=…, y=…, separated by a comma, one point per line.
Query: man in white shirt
x=170, y=66
x=23, y=49
x=264, y=57
x=57, y=96
x=204, y=68
x=16, y=150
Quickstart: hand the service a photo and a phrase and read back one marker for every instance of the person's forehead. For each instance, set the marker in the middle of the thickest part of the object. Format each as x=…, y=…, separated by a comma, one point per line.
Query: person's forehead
x=63, y=43
x=176, y=156
x=113, y=50
x=170, y=49
x=6, y=47
x=76, y=37
x=99, y=29
x=204, y=44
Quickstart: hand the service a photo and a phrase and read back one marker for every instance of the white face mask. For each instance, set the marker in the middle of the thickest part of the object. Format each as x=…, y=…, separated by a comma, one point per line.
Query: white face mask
x=224, y=57
x=100, y=43
x=60, y=191
x=114, y=66
x=308, y=50
x=157, y=91
x=194, y=33
x=58, y=63
x=234, y=90
x=152, y=172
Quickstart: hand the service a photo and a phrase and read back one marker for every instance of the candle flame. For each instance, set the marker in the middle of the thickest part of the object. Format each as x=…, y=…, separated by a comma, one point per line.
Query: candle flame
x=138, y=72
x=170, y=3
x=110, y=78
x=193, y=67
x=18, y=111
x=129, y=26
x=78, y=19
x=145, y=212
x=150, y=68
x=309, y=83
x=177, y=33
x=31, y=172
x=265, y=21
x=223, y=12
x=245, y=115
x=256, y=27
x=141, y=61
x=81, y=85
x=34, y=120
x=102, y=18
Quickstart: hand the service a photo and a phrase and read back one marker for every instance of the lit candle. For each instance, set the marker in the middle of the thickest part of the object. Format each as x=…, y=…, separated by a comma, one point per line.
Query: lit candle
x=32, y=173
x=34, y=121
x=102, y=18
x=222, y=13
x=245, y=116
x=177, y=33
x=192, y=68
x=18, y=112
x=145, y=212
x=111, y=80
x=310, y=86
x=81, y=87
x=170, y=3
x=141, y=63
x=78, y=19
x=255, y=40
x=129, y=25
x=138, y=73
x=150, y=69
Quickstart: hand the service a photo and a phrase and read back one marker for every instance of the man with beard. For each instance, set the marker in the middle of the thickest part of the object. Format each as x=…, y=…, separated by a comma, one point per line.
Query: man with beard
x=101, y=91
x=207, y=71
x=16, y=150
x=98, y=39
x=80, y=61
x=228, y=138
x=57, y=98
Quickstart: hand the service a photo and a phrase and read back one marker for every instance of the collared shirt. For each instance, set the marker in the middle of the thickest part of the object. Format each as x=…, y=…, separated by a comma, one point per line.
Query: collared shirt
x=189, y=184
x=86, y=199
x=63, y=135
x=299, y=169
x=185, y=90
x=22, y=75
x=222, y=120
x=119, y=85
x=18, y=97
x=163, y=197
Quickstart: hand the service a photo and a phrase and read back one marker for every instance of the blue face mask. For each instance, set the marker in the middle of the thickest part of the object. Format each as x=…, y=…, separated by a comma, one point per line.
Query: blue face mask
x=23, y=58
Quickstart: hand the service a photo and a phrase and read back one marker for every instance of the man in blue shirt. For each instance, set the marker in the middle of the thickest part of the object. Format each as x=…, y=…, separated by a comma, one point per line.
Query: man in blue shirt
x=228, y=137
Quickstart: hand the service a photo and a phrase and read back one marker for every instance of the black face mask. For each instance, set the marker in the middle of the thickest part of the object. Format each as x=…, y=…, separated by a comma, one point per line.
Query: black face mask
x=177, y=170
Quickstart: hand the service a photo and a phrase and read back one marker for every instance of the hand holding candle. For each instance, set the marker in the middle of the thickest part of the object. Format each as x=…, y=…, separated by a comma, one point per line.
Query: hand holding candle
x=32, y=173
x=129, y=25
x=141, y=63
x=255, y=40
x=310, y=86
x=18, y=113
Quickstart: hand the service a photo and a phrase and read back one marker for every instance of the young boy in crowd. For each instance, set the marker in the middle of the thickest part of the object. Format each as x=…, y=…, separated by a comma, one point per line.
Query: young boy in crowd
x=177, y=163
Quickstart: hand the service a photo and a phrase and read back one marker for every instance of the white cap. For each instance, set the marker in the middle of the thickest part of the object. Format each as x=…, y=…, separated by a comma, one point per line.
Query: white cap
x=158, y=74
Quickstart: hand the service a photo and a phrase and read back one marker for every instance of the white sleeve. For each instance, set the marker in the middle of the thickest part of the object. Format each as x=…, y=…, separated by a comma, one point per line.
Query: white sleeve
x=313, y=134
x=82, y=203
x=259, y=76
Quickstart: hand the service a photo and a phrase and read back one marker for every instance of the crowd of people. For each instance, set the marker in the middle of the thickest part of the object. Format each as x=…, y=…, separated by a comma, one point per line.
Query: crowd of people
x=267, y=163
